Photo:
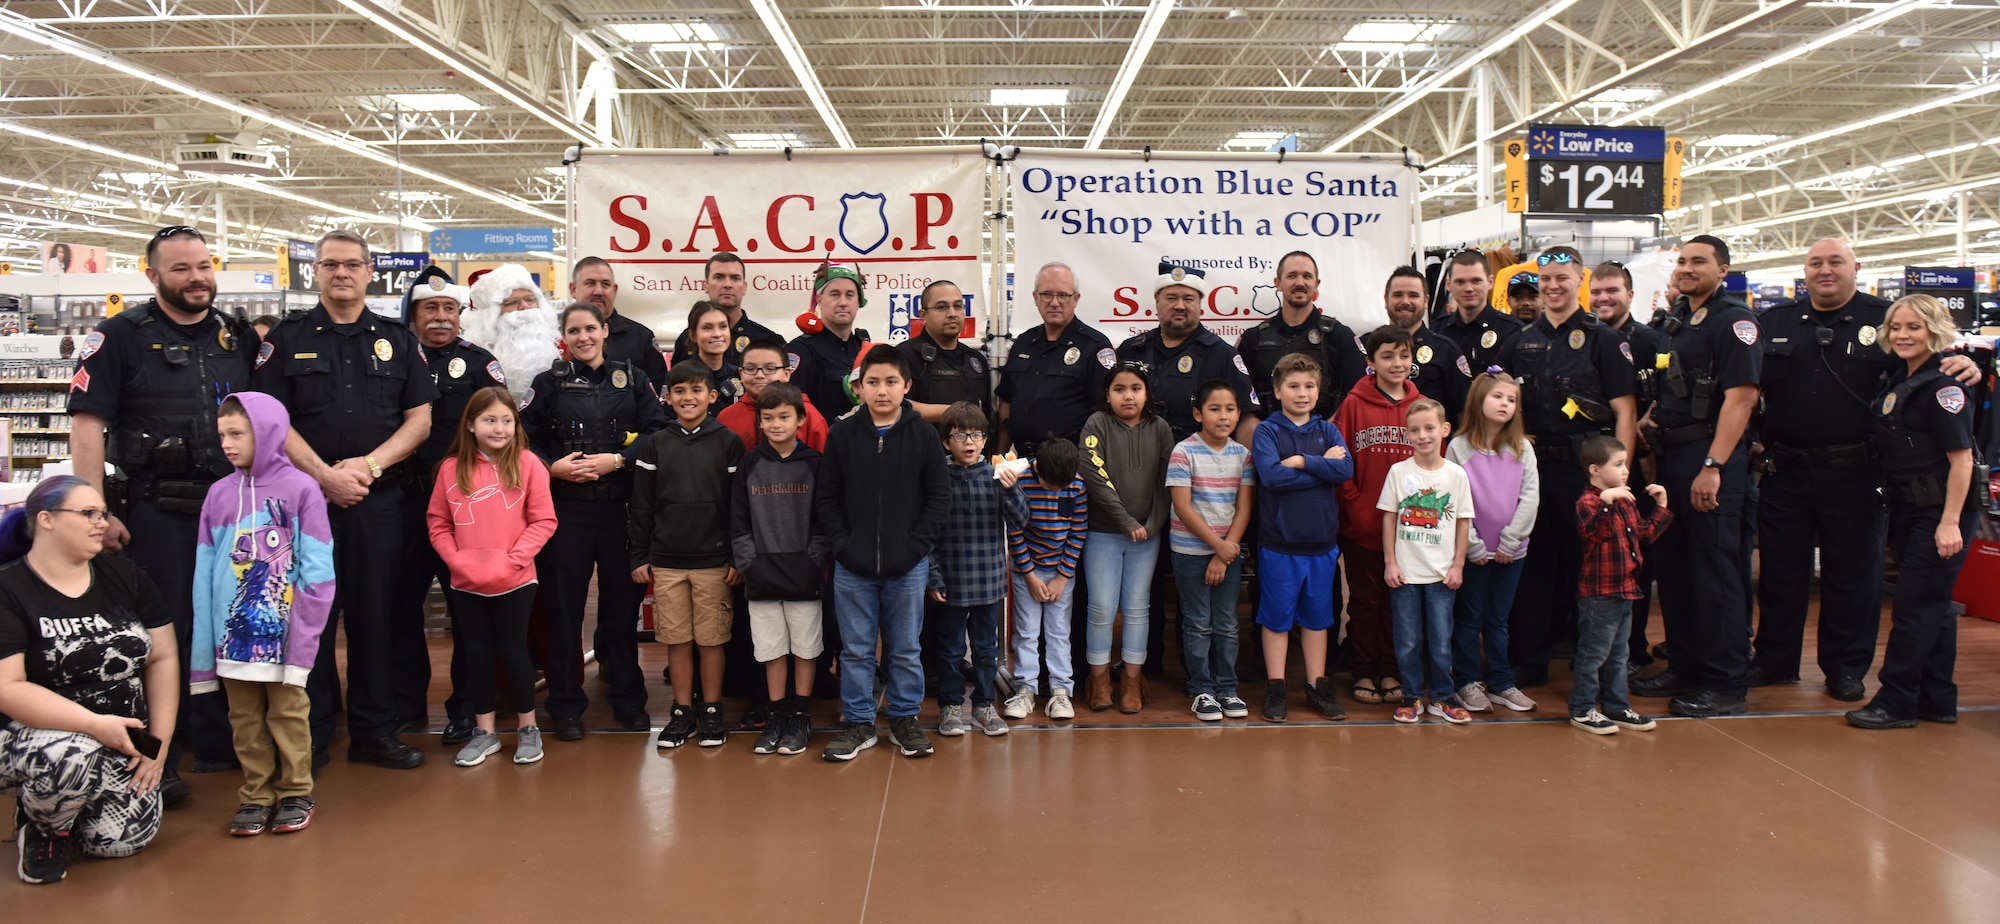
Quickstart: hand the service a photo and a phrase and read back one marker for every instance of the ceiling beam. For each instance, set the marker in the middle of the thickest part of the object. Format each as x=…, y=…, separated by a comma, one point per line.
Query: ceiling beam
x=1135, y=57
x=802, y=70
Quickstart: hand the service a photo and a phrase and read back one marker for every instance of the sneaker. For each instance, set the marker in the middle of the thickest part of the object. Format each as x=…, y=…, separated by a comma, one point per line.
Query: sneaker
x=908, y=737
x=708, y=726
x=1410, y=712
x=680, y=726
x=1450, y=711
x=988, y=720
x=797, y=732
x=854, y=738
x=528, y=744
x=1020, y=704
x=44, y=857
x=250, y=820
x=1233, y=707
x=951, y=721
x=1059, y=706
x=1320, y=694
x=484, y=744
x=294, y=813
x=1274, y=701
x=1473, y=695
x=1207, y=708
x=1512, y=698
x=1631, y=721
x=1594, y=722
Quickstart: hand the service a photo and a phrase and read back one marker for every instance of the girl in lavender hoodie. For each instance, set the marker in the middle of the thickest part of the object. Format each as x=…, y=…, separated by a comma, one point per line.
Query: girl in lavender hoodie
x=489, y=514
x=1500, y=463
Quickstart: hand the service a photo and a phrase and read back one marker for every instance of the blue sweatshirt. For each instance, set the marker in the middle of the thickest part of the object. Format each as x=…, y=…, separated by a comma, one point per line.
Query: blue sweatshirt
x=1298, y=510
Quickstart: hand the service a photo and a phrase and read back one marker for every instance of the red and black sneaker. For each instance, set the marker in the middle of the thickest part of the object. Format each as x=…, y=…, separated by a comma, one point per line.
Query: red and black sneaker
x=250, y=820
x=44, y=857
x=294, y=814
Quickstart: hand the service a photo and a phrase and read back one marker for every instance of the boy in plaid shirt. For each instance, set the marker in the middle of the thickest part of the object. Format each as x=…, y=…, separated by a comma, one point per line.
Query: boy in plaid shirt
x=969, y=571
x=1613, y=533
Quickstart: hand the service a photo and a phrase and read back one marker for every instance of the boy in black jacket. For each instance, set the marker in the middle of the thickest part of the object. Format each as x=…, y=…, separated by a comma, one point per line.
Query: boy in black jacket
x=678, y=527
x=883, y=493
x=780, y=550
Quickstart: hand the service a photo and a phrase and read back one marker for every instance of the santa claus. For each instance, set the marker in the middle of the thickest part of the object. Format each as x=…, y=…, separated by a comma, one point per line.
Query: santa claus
x=510, y=318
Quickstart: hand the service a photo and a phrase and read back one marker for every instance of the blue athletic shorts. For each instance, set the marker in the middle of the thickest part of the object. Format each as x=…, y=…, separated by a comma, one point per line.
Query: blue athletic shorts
x=1296, y=590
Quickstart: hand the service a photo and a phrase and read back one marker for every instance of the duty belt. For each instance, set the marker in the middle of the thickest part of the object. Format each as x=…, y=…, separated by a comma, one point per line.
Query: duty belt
x=1677, y=436
x=1837, y=456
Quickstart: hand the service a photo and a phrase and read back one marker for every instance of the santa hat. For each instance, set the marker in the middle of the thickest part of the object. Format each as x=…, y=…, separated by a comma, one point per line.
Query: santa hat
x=433, y=282
x=494, y=286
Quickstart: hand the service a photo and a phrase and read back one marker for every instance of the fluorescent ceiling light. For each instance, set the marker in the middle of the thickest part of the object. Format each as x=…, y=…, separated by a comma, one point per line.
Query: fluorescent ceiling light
x=769, y=141
x=1627, y=95
x=668, y=36
x=132, y=178
x=802, y=69
x=436, y=102
x=413, y=195
x=1735, y=141
x=1031, y=96
x=1135, y=58
x=1382, y=35
x=1450, y=170
x=1255, y=140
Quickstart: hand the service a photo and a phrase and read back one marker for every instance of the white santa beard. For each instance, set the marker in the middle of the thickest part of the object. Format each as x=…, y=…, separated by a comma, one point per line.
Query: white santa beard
x=525, y=344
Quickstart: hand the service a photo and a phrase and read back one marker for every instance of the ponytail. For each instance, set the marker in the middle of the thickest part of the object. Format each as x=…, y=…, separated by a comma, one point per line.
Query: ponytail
x=17, y=528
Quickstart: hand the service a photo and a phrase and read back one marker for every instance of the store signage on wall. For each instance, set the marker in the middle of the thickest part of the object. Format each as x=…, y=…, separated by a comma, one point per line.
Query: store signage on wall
x=1580, y=169
x=492, y=240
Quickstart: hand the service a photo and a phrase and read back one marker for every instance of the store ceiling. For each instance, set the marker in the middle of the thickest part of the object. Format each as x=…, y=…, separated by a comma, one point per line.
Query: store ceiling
x=1809, y=119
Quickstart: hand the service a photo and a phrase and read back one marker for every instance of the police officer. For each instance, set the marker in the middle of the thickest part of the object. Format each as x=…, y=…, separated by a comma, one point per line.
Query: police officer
x=821, y=360
x=722, y=282
x=458, y=368
x=625, y=338
x=1473, y=323
x=359, y=396
x=1300, y=327
x=1437, y=368
x=588, y=417
x=151, y=377
x=1054, y=376
x=1576, y=381
x=1182, y=353
x=1611, y=301
x=1923, y=429
x=1715, y=360
x=1823, y=367
x=708, y=332
x=942, y=371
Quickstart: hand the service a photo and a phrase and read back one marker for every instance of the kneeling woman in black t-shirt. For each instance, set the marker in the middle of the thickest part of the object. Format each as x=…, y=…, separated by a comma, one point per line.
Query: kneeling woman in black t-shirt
x=86, y=656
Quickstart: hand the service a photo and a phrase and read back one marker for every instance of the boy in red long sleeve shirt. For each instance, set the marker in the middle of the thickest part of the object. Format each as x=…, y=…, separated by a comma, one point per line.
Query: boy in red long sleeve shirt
x=1613, y=533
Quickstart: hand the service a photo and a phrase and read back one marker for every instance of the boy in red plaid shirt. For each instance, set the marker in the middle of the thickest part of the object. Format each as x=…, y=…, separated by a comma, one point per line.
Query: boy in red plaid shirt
x=1613, y=532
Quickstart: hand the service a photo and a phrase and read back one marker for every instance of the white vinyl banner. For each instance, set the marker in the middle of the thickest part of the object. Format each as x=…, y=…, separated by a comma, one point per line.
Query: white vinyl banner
x=904, y=218
x=1114, y=218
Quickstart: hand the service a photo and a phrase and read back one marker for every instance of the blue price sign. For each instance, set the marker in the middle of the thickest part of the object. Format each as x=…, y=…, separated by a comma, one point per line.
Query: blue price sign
x=1584, y=142
x=1952, y=285
x=492, y=240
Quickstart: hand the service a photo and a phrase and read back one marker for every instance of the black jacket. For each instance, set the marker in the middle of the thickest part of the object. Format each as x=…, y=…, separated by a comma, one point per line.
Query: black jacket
x=883, y=497
x=679, y=516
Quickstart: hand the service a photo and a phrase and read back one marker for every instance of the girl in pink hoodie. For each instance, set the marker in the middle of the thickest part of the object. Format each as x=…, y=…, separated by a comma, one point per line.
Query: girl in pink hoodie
x=489, y=514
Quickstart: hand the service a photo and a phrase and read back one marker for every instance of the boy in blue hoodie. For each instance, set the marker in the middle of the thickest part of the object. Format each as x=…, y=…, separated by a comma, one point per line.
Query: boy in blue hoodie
x=263, y=590
x=1301, y=462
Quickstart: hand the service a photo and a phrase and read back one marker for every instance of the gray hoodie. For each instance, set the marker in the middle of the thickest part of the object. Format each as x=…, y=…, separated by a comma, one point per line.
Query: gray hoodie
x=1126, y=470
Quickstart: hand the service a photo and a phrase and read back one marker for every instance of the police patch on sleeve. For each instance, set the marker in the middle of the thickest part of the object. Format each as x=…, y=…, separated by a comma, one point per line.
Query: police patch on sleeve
x=264, y=351
x=1238, y=360
x=1107, y=358
x=81, y=380
x=527, y=398
x=493, y=372
x=91, y=344
x=1745, y=331
x=1464, y=368
x=792, y=361
x=1625, y=350
x=1951, y=398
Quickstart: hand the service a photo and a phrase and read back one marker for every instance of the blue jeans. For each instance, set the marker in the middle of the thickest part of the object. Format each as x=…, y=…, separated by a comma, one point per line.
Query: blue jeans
x=1120, y=580
x=954, y=625
x=1483, y=603
x=1422, y=614
x=1603, y=625
x=1042, y=629
x=891, y=609
x=1208, y=623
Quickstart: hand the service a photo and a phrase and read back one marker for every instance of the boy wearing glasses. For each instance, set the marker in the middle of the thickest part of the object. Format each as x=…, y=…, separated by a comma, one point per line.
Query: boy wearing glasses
x=764, y=364
x=968, y=573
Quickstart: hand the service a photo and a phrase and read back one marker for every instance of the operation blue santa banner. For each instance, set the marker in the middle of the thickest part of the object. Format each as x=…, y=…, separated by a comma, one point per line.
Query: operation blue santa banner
x=492, y=240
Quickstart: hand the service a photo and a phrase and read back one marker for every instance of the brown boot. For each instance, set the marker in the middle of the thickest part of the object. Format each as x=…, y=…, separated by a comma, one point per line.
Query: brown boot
x=1133, y=697
x=1100, y=688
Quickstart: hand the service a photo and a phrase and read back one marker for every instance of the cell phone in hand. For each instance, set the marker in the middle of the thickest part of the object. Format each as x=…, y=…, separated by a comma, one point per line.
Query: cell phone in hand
x=144, y=742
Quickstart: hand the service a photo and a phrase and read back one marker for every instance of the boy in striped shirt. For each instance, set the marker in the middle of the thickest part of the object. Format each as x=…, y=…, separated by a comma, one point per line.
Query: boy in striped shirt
x=1213, y=487
x=1045, y=558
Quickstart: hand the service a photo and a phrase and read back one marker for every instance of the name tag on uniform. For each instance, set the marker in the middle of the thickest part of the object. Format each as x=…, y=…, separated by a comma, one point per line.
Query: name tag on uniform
x=305, y=355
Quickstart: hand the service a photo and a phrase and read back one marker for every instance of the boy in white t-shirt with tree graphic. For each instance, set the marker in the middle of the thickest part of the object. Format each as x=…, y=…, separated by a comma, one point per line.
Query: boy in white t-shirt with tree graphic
x=1424, y=538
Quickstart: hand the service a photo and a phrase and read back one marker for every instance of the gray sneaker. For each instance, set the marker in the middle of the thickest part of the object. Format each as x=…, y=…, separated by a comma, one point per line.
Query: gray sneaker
x=484, y=744
x=951, y=721
x=528, y=746
x=988, y=720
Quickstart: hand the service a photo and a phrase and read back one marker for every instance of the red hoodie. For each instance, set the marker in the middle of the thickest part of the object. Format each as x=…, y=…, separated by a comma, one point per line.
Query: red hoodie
x=1373, y=427
x=741, y=419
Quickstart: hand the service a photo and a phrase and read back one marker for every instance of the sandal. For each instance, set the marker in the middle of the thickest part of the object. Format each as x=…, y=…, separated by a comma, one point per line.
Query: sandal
x=1392, y=695
x=1367, y=694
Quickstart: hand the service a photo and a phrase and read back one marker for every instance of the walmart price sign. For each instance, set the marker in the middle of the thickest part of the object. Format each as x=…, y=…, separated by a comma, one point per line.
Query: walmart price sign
x=1576, y=169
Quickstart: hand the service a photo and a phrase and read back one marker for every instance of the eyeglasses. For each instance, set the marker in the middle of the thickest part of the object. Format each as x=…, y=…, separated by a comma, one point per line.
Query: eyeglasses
x=967, y=439
x=93, y=514
x=352, y=266
x=958, y=306
x=514, y=303
x=1548, y=258
x=1057, y=297
x=761, y=370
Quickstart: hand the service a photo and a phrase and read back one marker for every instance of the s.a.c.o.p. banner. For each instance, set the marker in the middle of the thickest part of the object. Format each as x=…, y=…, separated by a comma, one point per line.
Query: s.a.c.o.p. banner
x=905, y=218
x=1114, y=218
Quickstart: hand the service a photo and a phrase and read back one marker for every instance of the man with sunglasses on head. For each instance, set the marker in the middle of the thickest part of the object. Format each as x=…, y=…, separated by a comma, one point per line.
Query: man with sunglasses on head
x=1182, y=353
x=150, y=378
x=1473, y=323
x=1577, y=381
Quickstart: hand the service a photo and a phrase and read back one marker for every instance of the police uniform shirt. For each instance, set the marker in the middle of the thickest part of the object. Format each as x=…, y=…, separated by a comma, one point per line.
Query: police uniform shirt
x=941, y=376
x=1938, y=411
x=1441, y=372
x=1647, y=343
x=608, y=403
x=1342, y=360
x=725, y=384
x=820, y=362
x=741, y=336
x=1720, y=339
x=1481, y=340
x=458, y=369
x=1176, y=373
x=345, y=385
x=1582, y=356
x=1052, y=386
x=140, y=359
x=1819, y=395
x=633, y=342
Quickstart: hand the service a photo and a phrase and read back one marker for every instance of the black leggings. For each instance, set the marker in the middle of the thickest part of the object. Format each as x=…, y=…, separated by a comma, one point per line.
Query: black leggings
x=496, y=627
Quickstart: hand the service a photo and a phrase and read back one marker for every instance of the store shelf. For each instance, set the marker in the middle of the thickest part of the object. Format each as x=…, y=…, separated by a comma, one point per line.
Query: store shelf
x=40, y=382
x=34, y=410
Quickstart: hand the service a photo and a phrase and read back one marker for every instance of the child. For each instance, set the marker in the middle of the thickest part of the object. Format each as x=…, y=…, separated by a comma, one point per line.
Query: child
x=1212, y=485
x=1125, y=464
x=263, y=592
x=490, y=514
x=764, y=365
x=1500, y=462
x=780, y=550
x=1613, y=535
x=883, y=495
x=1301, y=462
x=678, y=532
x=1046, y=550
x=968, y=577
x=1425, y=539
x=1371, y=418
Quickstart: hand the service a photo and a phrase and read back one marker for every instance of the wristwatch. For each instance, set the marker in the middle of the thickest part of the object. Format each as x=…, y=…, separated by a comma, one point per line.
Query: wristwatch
x=1710, y=462
x=374, y=471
